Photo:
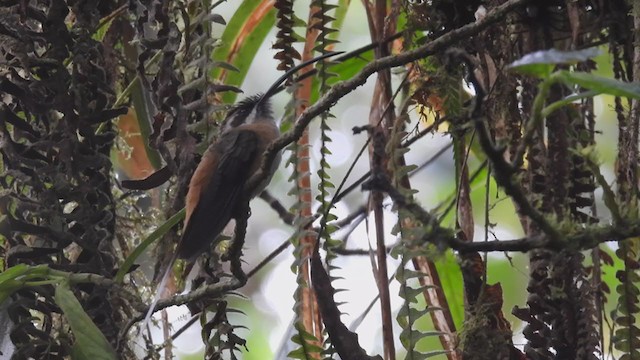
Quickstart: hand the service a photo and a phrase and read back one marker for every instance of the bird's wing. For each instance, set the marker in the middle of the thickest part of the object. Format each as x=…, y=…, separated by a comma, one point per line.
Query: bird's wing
x=237, y=151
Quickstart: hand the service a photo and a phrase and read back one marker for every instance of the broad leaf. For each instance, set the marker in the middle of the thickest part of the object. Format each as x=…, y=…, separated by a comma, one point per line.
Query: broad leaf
x=600, y=84
x=90, y=343
x=542, y=63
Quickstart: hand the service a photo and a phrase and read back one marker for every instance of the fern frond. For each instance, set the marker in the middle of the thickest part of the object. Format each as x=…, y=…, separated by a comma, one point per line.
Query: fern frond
x=409, y=314
x=219, y=334
x=627, y=334
x=286, y=35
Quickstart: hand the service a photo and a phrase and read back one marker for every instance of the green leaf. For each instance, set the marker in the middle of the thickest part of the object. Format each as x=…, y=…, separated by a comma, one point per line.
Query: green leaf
x=407, y=274
x=414, y=314
x=538, y=70
x=244, y=56
x=17, y=276
x=101, y=31
x=542, y=63
x=304, y=339
x=414, y=292
x=566, y=101
x=157, y=234
x=12, y=273
x=340, y=15
x=90, y=342
x=600, y=84
x=452, y=285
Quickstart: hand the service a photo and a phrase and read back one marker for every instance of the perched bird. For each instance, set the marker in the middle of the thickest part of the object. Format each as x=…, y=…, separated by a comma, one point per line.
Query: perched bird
x=217, y=188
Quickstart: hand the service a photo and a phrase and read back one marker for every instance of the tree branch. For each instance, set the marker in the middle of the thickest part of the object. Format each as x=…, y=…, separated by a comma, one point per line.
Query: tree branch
x=342, y=88
x=504, y=174
x=583, y=239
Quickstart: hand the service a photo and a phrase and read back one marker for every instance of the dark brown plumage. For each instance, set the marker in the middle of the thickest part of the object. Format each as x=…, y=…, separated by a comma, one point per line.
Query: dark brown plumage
x=217, y=189
x=217, y=186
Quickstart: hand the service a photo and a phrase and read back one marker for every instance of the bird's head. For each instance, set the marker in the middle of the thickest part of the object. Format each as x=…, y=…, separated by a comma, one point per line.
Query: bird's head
x=257, y=108
x=251, y=110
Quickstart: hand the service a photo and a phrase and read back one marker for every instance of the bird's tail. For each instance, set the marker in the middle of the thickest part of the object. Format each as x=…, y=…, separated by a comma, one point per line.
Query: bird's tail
x=159, y=291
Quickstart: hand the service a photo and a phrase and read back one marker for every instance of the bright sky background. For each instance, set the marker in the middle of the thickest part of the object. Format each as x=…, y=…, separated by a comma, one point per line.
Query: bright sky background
x=270, y=294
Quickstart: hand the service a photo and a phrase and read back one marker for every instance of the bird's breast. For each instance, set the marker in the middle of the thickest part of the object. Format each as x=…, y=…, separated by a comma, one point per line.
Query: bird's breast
x=267, y=132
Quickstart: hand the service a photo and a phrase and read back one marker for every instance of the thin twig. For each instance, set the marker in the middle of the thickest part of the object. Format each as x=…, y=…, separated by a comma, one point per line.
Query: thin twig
x=285, y=244
x=285, y=215
x=342, y=88
x=360, y=252
x=504, y=172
